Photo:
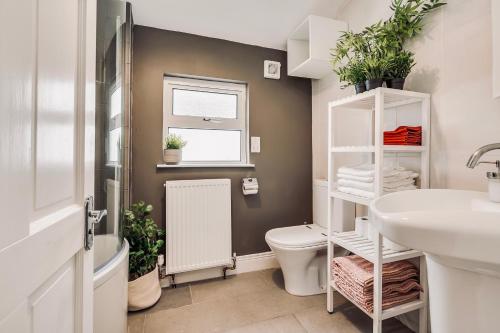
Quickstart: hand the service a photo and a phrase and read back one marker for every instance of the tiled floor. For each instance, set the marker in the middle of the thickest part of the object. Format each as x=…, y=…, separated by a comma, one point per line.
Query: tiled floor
x=249, y=303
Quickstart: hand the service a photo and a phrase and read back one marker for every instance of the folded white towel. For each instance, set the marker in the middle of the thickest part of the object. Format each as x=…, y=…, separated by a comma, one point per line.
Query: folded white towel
x=368, y=170
x=401, y=188
x=399, y=183
x=356, y=178
x=357, y=192
x=371, y=186
x=402, y=175
x=370, y=179
x=365, y=186
x=370, y=194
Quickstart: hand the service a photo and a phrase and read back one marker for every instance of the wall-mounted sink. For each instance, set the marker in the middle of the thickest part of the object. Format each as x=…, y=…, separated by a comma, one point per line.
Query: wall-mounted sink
x=459, y=231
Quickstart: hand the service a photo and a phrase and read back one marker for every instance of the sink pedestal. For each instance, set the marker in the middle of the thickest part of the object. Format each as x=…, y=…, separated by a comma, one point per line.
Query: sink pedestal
x=462, y=300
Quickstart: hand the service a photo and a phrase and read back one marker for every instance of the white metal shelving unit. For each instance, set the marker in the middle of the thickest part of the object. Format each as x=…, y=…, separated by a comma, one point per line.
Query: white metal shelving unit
x=377, y=104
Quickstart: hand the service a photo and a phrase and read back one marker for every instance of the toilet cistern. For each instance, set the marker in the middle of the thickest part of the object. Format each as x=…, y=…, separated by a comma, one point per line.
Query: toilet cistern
x=493, y=177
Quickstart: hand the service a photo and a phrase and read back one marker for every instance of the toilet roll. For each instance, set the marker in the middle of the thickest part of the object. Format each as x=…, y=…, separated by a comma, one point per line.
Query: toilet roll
x=249, y=186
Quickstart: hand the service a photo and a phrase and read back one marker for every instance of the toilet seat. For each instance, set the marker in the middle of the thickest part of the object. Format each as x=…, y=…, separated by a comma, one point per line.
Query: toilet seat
x=301, y=236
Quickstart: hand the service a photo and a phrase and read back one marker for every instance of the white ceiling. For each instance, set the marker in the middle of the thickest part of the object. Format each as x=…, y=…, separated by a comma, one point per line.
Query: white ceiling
x=257, y=22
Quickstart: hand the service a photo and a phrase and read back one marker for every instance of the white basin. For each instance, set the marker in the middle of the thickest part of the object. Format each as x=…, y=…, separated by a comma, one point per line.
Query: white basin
x=459, y=231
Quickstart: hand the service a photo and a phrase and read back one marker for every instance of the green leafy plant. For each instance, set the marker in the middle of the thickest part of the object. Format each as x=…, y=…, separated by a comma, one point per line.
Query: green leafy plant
x=144, y=237
x=407, y=21
x=350, y=47
x=376, y=46
x=399, y=65
x=351, y=74
x=174, y=141
x=374, y=67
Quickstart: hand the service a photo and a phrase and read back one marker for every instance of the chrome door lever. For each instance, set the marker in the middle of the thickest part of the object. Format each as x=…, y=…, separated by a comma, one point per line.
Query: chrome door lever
x=95, y=216
x=92, y=217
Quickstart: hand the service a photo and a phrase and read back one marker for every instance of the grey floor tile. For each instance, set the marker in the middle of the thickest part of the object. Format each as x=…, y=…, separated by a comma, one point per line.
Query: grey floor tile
x=283, y=324
x=251, y=302
x=233, y=286
x=346, y=318
x=318, y=320
x=276, y=302
x=209, y=316
x=135, y=322
x=172, y=298
x=273, y=277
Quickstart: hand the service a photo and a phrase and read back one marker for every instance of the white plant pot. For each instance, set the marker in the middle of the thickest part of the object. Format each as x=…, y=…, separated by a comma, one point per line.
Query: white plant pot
x=144, y=291
x=172, y=156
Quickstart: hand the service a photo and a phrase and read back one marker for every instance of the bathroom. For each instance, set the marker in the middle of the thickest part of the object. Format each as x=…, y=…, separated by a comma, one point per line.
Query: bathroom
x=252, y=208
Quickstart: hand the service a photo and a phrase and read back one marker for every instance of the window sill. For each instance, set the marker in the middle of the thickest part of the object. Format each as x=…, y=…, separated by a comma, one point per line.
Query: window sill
x=205, y=165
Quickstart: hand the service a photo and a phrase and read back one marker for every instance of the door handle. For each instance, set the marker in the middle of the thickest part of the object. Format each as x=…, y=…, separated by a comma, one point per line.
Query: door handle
x=92, y=217
x=95, y=216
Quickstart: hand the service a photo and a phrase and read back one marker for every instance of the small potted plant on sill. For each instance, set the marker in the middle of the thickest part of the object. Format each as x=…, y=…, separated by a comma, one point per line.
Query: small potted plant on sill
x=374, y=68
x=398, y=67
x=172, y=151
x=145, y=239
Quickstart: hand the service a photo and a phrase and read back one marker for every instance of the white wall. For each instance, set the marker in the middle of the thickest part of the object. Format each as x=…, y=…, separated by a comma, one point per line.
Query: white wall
x=454, y=64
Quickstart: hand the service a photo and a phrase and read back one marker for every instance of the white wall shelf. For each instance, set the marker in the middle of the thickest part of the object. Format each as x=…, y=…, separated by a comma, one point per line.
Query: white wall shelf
x=388, y=108
x=308, y=47
x=365, y=248
x=349, y=197
x=392, y=98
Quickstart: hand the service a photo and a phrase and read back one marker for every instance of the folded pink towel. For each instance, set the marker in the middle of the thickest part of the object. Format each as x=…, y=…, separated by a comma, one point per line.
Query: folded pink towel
x=353, y=276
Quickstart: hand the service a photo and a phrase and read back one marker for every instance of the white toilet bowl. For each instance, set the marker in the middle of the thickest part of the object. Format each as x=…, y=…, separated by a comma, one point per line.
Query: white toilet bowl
x=301, y=253
x=302, y=250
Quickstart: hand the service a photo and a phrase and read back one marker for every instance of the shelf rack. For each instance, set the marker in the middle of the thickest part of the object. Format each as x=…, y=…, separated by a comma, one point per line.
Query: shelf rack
x=377, y=102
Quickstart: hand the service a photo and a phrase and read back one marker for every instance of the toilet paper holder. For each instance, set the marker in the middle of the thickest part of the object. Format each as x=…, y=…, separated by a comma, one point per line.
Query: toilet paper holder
x=249, y=186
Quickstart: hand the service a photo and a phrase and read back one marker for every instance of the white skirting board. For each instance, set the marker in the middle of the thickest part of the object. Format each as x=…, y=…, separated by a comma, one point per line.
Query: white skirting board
x=244, y=264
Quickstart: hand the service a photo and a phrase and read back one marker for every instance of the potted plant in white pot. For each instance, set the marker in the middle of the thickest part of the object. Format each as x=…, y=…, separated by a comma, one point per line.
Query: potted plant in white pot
x=172, y=151
x=145, y=239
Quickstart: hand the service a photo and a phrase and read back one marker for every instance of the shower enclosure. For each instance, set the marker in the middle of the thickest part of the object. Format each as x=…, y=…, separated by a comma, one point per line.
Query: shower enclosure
x=111, y=190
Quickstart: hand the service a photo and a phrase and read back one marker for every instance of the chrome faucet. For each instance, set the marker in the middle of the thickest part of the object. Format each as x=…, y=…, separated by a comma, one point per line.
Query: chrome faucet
x=474, y=159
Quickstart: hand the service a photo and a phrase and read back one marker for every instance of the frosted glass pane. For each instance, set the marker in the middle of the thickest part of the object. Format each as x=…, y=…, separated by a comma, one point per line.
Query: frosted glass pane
x=209, y=145
x=116, y=103
x=114, y=145
x=204, y=104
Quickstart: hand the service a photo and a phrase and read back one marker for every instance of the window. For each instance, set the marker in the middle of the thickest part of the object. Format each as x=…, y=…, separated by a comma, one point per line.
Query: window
x=210, y=115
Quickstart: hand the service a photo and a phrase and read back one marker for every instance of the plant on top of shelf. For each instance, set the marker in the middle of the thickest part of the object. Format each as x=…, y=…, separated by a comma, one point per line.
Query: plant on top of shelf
x=375, y=68
x=172, y=152
x=399, y=65
x=353, y=74
x=379, y=48
x=407, y=21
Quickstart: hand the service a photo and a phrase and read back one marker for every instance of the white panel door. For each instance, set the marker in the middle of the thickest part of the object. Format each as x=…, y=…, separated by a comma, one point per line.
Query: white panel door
x=47, y=100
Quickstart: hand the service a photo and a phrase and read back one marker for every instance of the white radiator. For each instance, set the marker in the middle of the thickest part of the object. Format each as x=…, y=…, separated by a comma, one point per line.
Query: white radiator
x=198, y=224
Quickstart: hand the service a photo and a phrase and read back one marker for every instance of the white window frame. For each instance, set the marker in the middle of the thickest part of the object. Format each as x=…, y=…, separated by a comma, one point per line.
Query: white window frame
x=204, y=84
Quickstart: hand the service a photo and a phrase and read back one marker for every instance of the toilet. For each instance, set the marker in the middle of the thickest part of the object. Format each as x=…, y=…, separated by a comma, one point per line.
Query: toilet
x=302, y=250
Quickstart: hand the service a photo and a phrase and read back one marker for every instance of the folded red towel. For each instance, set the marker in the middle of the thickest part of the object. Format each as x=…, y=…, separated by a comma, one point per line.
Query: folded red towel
x=404, y=135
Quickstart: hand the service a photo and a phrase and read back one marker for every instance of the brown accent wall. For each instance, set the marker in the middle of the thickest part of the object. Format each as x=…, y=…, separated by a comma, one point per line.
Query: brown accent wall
x=280, y=113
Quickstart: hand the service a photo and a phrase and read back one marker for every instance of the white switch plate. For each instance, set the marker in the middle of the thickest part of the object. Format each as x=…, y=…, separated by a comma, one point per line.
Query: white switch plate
x=255, y=144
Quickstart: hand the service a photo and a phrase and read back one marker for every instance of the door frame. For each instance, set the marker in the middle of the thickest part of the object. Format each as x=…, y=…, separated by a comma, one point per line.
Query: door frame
x=86, y=75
